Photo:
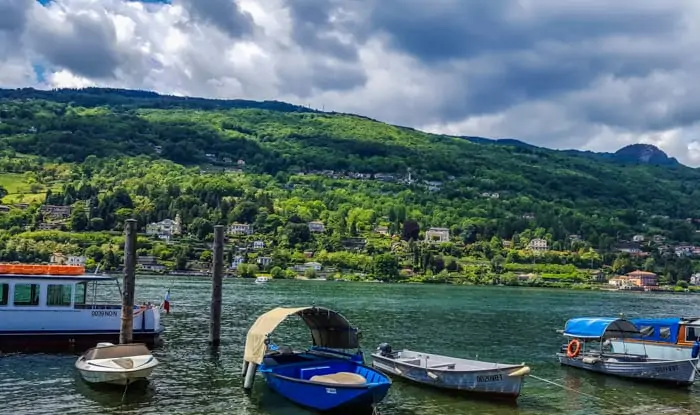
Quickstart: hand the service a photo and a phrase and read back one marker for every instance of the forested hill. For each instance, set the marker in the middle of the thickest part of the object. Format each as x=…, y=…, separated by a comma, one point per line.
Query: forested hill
x=279, y=139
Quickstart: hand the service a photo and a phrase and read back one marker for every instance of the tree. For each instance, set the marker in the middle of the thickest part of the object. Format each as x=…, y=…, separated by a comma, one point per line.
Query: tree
x=385, y=267
x=3, y=192
x=310, y=273
x=247, y=270
x=206, y=256
x=201, y=228
x=78, y=220
x=277, y=272
x=497, y=263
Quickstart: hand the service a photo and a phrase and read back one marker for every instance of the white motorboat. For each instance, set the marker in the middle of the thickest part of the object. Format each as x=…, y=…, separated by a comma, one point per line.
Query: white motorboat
x=261, y=280
x=121, y=364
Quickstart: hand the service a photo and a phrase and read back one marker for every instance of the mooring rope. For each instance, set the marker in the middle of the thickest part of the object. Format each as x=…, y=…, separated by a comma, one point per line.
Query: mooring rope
x=576, y=391
x=125, y=388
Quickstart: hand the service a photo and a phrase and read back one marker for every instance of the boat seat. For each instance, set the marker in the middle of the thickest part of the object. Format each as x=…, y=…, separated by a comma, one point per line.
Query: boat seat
x=410, y=361
x=341, y=378
x=125, y=363
x=442, y=365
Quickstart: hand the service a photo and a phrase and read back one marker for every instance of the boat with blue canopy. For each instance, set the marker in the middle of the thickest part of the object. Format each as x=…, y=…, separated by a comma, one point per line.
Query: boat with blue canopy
x=671, y=338
x=326, y=376
x=589, y=349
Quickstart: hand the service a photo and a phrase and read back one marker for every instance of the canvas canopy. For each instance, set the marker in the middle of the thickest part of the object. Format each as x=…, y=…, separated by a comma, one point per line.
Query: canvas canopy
x=600, y=328
x=328, y=329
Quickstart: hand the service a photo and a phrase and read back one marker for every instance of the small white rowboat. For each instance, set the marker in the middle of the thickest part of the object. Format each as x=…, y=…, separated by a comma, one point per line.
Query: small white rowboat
x=121, y=364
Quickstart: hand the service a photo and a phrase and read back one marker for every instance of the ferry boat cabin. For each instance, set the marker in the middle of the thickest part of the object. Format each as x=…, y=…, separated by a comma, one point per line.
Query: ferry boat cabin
x=54, y=313
x=662, y=338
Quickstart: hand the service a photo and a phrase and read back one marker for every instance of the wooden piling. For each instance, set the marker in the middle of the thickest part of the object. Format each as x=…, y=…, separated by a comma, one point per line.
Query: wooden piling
x=216, y=286
x=126, y=333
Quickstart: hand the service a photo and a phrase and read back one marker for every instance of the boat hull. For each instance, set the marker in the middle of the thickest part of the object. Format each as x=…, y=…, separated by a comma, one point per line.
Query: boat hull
x=328, y=396
x=494, y=383
x=116, y=378
x=69, y=342
x=676, y=372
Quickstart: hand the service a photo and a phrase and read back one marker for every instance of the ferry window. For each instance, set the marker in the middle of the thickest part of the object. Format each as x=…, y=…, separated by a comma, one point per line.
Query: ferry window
x=647, y=331
x=665, y=332
x=4, y=293
x=27, y=294
x=691, y=333
x=58, y=295
x=80, y=293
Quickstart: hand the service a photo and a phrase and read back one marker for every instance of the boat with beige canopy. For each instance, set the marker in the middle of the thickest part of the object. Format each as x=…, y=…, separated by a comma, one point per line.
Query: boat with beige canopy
x=324, y=377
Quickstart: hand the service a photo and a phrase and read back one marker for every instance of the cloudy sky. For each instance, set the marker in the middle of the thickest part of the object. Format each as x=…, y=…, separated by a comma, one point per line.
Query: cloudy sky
x=587, y=74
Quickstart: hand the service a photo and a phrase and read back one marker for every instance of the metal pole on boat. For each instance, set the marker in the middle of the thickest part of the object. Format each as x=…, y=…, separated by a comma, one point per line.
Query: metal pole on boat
x=249, y=379
x=126, y=333
x=216, y=286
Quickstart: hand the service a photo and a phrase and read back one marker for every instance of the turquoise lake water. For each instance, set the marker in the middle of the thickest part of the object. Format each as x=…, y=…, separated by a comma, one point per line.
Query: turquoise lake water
x=510, y=325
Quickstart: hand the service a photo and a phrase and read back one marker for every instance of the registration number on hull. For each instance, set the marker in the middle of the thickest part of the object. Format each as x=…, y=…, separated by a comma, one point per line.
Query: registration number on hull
x=489, y=378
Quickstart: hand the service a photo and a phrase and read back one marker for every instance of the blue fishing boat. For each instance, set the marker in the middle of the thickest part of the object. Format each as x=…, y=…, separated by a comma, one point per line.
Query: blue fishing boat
x=672, y=338
x=587, y=350
x=326, y=376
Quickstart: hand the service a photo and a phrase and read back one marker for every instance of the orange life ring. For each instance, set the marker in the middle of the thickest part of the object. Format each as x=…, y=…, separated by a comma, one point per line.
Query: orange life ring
x=573, y=349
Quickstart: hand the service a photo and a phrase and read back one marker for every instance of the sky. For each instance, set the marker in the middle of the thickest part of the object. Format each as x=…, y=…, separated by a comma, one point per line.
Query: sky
x=585, y=74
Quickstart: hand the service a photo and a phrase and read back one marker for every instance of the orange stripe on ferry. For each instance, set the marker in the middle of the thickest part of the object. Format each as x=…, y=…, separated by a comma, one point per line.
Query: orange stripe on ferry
x=36, y=269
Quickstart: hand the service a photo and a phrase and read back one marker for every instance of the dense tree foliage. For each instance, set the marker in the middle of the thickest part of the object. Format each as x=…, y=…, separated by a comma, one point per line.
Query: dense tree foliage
x=116, y=154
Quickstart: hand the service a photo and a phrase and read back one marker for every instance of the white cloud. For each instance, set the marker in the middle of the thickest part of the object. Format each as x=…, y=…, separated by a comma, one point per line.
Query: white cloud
x=575, y=74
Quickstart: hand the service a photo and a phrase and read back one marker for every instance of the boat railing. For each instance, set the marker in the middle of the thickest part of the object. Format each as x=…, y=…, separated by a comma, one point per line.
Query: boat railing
x=98, y=306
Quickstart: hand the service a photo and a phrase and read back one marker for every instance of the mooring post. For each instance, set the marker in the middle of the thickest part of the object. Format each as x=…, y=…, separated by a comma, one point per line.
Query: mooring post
x=126, y=333
x=216, y=286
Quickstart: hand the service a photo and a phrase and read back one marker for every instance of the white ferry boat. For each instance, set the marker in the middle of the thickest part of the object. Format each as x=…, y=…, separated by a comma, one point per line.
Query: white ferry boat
x=57, y=308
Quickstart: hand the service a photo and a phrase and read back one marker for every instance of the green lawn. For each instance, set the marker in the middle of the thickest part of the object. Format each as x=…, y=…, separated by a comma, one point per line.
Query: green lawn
x=19, y=191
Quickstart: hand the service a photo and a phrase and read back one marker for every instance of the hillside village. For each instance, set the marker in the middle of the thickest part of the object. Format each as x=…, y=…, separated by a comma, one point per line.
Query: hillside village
x=252, y=252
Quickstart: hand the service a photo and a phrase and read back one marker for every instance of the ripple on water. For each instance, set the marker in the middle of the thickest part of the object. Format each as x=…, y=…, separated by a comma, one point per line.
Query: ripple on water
x=504, y=324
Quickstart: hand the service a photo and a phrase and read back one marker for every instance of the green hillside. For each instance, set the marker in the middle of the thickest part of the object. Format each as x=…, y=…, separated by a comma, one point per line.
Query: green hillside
x=139, y=154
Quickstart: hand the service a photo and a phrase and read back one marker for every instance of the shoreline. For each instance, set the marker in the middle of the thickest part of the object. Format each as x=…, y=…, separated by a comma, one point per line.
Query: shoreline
x=558, y=285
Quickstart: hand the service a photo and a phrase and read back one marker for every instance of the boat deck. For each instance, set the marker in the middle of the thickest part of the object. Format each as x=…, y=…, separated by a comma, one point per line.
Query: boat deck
x=438, y=362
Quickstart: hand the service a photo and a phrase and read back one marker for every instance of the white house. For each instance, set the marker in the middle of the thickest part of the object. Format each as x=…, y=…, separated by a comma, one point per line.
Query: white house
x=309, y=265
x=537, y=244
x=165, y=228
x=149, y=263
x=239, y=229
x=317, y=226
x=237, y=260
x=264, y=261
x=695, y=279
x=60, y=259
x=437, y=235
x=258, y=245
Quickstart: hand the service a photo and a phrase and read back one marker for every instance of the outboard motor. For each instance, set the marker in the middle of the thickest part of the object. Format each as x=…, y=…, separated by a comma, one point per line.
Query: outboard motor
x=385, y=349
x=695, y=351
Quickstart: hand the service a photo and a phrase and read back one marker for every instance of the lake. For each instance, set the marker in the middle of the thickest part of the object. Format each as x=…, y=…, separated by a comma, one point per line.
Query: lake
x=510, y=325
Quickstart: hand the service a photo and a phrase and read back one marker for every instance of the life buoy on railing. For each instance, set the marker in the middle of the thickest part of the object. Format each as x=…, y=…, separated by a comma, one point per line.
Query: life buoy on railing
x=573, y=349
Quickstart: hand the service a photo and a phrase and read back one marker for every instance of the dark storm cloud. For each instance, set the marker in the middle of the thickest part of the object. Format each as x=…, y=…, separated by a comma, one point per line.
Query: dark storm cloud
x=85, y=45
x=316, y=23
x=337, y=78
x=13, y=15
x=463, y=29
x=226, y=15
